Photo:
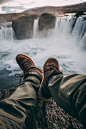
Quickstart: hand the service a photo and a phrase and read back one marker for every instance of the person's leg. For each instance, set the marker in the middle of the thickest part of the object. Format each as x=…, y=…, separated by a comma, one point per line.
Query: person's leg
x=69, y=91
x=17, y=111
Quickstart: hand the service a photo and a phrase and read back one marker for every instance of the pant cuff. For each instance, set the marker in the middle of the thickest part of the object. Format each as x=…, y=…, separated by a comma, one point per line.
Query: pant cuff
x=39, y=76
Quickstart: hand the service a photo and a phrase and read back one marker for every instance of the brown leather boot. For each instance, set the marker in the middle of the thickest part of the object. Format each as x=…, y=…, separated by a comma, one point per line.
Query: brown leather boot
x=50, y=68
x=28, y=66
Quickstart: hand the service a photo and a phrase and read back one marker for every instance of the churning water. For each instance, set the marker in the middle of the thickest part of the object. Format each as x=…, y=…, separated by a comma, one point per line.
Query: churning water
x=65, y=44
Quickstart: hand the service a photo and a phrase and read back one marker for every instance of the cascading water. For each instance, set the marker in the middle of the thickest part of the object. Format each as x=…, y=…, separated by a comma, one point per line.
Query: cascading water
x=35, y=28
x=6, y=33
x=66, y=42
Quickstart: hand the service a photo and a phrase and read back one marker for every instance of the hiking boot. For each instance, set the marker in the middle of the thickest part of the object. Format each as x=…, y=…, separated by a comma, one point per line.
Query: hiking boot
x=28, y=67
x=50, y=68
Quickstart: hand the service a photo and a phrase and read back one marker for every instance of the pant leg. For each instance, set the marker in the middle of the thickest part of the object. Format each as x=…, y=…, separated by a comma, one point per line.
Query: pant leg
x=69, y=92
x=17, y=111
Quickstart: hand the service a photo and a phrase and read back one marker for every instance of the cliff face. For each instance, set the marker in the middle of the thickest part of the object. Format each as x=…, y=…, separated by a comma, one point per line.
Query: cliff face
x=54, y=10
x=23, y=26
x=61, y=9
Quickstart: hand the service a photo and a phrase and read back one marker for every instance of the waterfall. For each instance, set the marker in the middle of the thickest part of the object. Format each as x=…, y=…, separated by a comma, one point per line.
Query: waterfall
x=66, y=42
x=80, y=27
x=6, y=32
x=65, y=26
x=35, y=28
x=72, y=26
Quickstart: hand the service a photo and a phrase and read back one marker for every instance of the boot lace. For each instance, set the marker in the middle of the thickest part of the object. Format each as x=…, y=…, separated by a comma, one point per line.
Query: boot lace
x=19, y=76
x=25, y=66
x=52, y=67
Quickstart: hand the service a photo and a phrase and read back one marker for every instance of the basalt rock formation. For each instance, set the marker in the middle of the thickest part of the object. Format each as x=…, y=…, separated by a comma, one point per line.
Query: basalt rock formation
x=61, y=10
x=46, y=21
x=23, y=26
x=46, y=24
x=79, y=14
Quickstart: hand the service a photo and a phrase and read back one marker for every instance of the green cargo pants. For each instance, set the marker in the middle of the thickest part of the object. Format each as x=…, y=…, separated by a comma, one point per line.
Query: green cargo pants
x=69, y=92
x=17, y=111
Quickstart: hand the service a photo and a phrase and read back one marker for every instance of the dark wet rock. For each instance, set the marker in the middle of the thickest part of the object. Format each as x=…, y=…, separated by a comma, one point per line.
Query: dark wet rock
x=79, y=14
x=23, y=26
x=46, y=21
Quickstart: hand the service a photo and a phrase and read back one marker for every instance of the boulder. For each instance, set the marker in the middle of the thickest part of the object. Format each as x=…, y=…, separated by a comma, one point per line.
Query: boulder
x=23, y=26
x=46, y=21
x=79, y=13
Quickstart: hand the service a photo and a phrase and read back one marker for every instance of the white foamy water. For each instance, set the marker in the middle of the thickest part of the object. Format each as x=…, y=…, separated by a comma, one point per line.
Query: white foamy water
x=67, y=46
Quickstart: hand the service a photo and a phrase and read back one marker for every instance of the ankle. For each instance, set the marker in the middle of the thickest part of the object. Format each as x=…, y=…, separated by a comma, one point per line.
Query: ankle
x=51, y=75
